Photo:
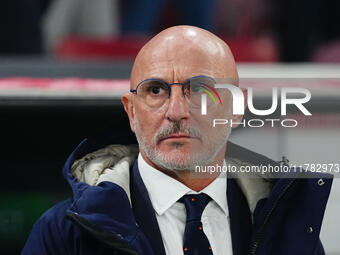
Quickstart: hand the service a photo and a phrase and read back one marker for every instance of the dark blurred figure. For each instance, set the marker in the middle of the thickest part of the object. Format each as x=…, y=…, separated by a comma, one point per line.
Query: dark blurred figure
x=20, y=26
x=147, y=17
x=304, y=25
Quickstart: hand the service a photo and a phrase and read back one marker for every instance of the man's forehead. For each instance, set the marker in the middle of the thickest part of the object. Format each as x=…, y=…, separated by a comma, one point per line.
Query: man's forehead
x=183, y=52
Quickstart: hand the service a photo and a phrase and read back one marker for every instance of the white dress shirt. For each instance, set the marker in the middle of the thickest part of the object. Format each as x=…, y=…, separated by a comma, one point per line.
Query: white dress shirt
x=164, y=192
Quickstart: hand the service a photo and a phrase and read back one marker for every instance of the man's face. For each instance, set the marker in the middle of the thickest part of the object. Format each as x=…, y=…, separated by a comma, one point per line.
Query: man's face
x=175, y=136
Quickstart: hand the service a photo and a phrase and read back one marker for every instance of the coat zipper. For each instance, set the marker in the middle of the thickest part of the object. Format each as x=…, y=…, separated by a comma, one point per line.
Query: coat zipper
x=255, y=245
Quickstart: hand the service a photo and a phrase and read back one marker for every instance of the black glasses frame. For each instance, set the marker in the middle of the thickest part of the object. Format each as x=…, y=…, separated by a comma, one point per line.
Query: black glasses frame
x=168, y=85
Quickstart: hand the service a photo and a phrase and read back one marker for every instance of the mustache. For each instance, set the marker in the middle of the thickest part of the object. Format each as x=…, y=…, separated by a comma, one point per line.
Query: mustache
x=177, y=127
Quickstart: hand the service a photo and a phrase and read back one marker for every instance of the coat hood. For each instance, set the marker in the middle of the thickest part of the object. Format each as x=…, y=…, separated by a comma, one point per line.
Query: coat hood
x=95, y=162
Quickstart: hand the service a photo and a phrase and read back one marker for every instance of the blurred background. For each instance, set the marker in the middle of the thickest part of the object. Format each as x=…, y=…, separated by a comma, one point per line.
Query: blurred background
x=65, y=63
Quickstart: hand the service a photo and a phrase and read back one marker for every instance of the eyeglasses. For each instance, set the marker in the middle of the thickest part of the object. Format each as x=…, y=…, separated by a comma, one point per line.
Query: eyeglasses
x=155, y=92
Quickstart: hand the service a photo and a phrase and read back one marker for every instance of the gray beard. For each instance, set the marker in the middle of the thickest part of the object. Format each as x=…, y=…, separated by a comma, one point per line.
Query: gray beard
x=180, y=164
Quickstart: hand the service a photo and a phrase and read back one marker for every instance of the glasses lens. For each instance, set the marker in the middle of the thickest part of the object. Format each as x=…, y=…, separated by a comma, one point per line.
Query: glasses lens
x=153, y=92
x=198, y=87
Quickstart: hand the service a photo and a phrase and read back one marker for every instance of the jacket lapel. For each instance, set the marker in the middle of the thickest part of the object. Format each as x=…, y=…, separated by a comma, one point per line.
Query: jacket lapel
x=144, y=212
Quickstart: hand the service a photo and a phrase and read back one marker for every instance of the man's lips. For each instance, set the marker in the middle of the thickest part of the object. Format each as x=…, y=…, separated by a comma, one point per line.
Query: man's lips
x=177, y=136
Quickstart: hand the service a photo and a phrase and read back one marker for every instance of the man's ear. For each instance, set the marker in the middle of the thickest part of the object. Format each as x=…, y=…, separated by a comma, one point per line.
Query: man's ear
x=128, y=106
x=238, y=118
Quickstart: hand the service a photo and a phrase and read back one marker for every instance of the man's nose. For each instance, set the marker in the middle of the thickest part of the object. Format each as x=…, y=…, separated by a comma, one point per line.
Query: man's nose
x=178, y=107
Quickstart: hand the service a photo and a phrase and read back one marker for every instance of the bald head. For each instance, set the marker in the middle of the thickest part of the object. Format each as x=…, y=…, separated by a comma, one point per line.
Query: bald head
x=181, y=52
x=167, y=126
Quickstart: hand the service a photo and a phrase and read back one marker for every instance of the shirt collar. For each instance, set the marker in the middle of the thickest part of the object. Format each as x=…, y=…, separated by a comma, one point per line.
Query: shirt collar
x=217, y=190
x=164, y=191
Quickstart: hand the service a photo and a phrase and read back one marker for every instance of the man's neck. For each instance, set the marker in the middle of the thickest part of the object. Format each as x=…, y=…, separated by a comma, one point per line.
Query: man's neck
x=193, y=180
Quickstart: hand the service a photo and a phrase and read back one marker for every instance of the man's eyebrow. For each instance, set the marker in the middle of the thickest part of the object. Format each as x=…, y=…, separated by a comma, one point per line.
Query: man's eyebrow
x=203, y=76
x=153, y=78
x=199, y=76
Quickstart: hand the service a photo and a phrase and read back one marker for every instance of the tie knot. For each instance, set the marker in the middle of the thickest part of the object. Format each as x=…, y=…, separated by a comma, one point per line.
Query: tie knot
x=194, y=205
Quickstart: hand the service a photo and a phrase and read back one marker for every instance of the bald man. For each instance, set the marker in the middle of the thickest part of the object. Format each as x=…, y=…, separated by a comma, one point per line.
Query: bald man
x=149, y=199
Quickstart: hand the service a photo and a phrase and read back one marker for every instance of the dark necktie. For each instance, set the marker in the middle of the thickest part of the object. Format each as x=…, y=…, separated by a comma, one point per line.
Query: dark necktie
x=195, y=241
